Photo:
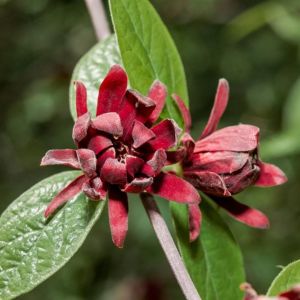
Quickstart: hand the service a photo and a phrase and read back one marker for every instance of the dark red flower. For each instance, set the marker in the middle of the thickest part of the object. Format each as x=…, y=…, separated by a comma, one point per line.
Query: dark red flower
x=120, y=151
x=250, y=294
x=224, y=162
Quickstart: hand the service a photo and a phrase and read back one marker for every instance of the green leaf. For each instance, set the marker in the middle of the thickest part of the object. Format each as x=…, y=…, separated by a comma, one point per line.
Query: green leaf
x=91, y=70
x=33, y=248
x=148, y=51
x=214, y=260
x=292, y=109
x=288, y=277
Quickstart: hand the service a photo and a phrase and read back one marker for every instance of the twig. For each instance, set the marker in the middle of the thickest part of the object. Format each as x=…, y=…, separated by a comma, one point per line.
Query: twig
x=99, y=20
x=165, y=239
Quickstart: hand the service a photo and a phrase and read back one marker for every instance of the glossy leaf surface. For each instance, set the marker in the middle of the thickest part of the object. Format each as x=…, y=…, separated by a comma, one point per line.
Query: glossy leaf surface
x=148, y=51
x=33, y=248
x=214, y=260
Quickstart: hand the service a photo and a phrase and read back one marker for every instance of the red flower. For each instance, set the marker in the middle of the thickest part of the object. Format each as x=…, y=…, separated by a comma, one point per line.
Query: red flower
x=120, y=151
x=224, y=162
x=250, y=293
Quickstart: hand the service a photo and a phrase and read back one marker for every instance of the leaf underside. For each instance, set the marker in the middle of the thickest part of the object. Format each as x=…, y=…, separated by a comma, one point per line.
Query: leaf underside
x=288, y=277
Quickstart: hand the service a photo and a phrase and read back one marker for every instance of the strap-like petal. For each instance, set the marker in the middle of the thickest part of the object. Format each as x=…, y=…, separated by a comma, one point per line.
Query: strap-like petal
x=270, y=175
x=141, y=134
x=87, y=160
x=80, y=129
x=81, y=98
x=232, y=138
x=195, y=220
x=174, y=188
x=112, y=90
x=65, y=157
x=109, y=153
x=243, y=213
x=167, y=132
x=158, y=93
x=113, y=172
x=109, y=123
x=66, y=194
x=220, y=104
x=118, y=216
x=185, y=113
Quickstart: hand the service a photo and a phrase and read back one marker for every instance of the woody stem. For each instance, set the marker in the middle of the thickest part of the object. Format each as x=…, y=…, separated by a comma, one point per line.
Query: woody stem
x=98, y=17
x=166, y=241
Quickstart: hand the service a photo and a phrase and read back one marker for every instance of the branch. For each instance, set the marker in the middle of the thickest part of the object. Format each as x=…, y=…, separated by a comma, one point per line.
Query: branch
x=165, y=239
x=99, y=20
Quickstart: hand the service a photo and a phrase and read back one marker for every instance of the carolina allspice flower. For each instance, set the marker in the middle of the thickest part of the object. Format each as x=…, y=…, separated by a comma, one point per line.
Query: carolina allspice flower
x=250, y=293
x=120, y=151
x=224, y=162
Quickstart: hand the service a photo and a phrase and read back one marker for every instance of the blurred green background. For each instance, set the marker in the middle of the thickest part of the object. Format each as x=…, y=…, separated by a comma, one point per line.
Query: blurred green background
x=254, y=44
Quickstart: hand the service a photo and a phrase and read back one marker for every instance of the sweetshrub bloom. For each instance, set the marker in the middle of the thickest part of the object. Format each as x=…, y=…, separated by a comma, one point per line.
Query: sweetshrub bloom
x=224, y=162
x=250, y=294
x=120, y=151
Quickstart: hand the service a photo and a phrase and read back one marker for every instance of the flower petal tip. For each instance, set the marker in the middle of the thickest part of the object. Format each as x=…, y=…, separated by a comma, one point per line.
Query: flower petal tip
x=270, y=175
